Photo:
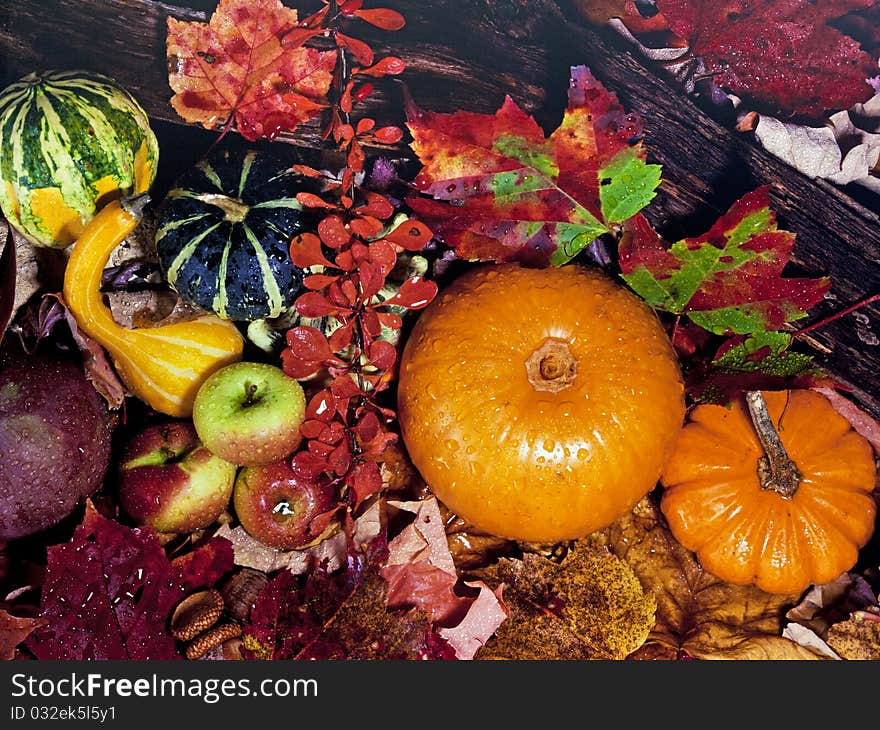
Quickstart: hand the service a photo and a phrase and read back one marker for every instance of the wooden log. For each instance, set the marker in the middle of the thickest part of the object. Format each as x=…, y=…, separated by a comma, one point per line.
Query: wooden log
x=468, y=55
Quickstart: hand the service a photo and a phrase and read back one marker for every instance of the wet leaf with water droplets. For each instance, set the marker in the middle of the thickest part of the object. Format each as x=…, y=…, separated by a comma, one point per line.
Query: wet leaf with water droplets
x=110, y=590
x=783, y=54
x=503, y=191
x=727, y=280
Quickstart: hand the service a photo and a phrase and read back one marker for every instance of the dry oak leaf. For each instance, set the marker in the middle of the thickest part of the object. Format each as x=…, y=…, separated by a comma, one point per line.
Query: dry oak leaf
x=237, y=65
x=590, y=606
x=699, y=615
x=13, y=631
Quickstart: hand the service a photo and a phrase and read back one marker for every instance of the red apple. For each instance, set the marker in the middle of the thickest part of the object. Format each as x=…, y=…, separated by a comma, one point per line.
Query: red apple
x=169, y=480
x=249, y=413
x=278, y=507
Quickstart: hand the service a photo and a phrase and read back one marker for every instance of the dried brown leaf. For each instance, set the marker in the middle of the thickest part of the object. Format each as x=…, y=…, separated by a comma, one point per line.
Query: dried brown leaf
x=341, y=615
x=833, y=602
x=14, y=630
x=590, y=606
x=699, y=615
x=136, y=309
x=96, y=363
x=140, y=244
x=251, y=553
x=858, y=638
x=27, y=265
x=19, y=273
x=600, y=11
x=7, y=279
x=470, y=547
x=421, y=573
x=367, y=630
x=807, y=637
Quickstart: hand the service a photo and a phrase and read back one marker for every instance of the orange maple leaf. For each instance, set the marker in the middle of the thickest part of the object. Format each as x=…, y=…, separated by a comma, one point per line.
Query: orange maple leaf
x=237, y=67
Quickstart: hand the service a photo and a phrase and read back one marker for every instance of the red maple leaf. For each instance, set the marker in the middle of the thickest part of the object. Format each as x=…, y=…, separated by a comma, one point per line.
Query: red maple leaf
x=728, y=280
x=109, y=592
x=507, y=192
x=782, y=54
x=238, y=66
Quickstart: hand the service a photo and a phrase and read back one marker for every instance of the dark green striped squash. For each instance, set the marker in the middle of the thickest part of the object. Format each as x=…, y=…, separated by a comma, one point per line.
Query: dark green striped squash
x=224, y=234
x=69, y=142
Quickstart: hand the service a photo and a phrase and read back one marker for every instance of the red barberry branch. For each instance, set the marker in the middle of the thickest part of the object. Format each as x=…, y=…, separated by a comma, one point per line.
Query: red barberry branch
x=348, y=261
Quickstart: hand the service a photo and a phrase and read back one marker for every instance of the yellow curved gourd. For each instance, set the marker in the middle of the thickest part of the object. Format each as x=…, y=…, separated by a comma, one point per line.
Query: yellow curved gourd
x=164, y=365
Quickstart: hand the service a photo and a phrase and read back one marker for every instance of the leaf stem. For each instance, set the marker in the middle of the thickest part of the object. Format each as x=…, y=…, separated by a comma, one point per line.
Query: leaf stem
x=849, y=310
x=776, y=470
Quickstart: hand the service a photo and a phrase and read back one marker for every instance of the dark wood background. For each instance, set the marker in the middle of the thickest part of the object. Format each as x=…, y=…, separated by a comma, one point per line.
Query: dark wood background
x=468, y=54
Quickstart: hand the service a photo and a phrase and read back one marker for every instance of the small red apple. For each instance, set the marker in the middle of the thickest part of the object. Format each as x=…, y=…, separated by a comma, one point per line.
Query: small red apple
x=169, y=480
x=277, y=506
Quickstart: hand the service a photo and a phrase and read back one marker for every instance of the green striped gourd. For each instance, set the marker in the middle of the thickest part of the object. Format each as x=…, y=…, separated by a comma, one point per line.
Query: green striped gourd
x=69, y=142
x=225, y=230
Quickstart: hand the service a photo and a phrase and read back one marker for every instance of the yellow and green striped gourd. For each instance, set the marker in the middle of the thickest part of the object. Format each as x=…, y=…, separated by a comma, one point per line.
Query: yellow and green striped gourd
x=69, y=142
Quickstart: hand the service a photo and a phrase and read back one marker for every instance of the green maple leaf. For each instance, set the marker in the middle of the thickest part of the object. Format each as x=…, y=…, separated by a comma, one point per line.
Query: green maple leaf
x=728, y=280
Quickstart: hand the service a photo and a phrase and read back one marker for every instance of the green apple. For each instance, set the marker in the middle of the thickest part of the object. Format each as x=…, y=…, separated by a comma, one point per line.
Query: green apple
x=169, y=480
x=250, y=413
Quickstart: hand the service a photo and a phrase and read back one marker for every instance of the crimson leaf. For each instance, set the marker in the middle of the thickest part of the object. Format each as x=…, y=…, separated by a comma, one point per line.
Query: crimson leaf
x=781, y=53
x=109, y=592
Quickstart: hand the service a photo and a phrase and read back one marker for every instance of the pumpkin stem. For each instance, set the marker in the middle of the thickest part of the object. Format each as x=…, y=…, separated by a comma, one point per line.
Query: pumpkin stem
x=776, y=470
x=551, y=367
x=233, y=209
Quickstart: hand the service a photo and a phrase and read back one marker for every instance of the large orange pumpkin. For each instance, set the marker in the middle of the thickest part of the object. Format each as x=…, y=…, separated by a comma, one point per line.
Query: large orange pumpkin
x=539, y=404
x=781, y=531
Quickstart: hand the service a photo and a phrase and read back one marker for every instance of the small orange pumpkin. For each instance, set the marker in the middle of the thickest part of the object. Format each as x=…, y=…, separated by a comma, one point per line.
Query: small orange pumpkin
x=775, y=491
x=539, y=404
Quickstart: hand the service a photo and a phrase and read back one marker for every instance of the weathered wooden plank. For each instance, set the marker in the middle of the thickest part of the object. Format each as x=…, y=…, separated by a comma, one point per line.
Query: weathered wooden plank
x=469, y=55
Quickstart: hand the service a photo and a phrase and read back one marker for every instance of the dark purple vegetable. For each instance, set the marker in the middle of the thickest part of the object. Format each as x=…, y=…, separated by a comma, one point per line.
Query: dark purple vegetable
x=55, y=436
